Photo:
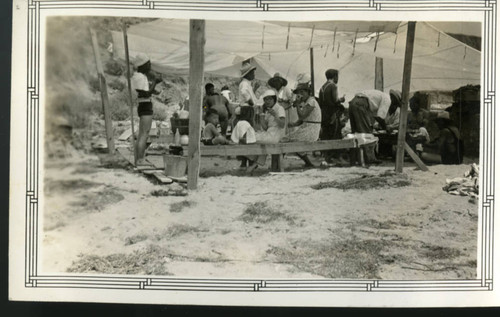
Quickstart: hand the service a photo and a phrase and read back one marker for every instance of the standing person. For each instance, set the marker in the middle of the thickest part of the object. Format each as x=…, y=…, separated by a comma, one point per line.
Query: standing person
x=331, y=112
x=144, y=88
x=309, y=122
x=285, y=98
x=365, y=109
x=218, y=102
x=246, y=93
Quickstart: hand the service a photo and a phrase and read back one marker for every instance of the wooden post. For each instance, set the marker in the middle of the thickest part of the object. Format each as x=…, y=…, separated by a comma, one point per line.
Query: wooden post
x=196, y=66
x=311, y=56
x=127, y=61
x=379, y=73
x=410, y=39
x=104, y=95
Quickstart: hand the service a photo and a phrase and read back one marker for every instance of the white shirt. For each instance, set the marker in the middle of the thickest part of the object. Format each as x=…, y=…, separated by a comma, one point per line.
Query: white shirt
x=139, y=81
x=378, y=100
x=246, y=93
x=239, y=131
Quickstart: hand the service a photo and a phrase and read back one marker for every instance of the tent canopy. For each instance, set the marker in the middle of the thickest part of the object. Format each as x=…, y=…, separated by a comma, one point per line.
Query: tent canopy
x=440, y=62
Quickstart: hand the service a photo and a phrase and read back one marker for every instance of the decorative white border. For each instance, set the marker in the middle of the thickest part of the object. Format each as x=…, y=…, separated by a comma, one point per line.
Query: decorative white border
x=34, y=280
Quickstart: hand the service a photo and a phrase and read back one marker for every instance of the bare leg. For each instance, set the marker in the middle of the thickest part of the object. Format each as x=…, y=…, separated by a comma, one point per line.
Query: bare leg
x=144, y=127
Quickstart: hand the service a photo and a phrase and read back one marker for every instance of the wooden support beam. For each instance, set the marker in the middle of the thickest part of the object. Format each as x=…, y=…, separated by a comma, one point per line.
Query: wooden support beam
x=415, y=158
x=130, y=100
x=410, y=39
x=311, y=58
x=104, y=94
x=379, y=73
x=196, y=68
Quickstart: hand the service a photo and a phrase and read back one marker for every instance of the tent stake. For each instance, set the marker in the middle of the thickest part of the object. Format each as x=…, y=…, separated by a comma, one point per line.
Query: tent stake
x=410, y=39
x=127, y=61
x=104, y=95
x=196, y=68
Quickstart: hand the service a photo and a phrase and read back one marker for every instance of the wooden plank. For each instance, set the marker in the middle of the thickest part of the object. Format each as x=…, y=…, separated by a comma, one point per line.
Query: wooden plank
x=125, y=135
x=403, y=115
x=162, y=178
x=130, y=100
x=104, y=94
x=151, y=172
x=127, y=154
x=415, y=158
x=196, y=67
x=379, y=73
x=277, y=148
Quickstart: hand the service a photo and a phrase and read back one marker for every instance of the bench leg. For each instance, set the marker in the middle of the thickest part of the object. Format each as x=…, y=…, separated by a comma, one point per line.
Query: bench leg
x=361, y=157
x=277, y=163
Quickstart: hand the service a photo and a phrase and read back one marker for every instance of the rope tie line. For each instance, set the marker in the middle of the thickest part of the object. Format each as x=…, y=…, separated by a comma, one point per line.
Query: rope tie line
x=263, y=30
x=376, y=42
x=288, y=36
x=338, y=50
x=334, y=36
x=354, y=42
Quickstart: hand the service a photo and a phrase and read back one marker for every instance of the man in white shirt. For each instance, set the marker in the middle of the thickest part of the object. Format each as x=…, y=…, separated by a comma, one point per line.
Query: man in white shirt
x=246, y=94
x=144, y=89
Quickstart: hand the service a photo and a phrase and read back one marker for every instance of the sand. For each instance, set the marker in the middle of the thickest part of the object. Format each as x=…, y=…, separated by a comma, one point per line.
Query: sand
x=105, y=220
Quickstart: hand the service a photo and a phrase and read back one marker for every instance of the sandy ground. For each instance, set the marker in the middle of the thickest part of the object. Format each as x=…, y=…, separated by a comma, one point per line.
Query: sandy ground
x=107, y=218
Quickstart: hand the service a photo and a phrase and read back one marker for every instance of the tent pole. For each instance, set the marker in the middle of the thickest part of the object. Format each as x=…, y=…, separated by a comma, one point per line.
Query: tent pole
x=410, y=39
x=127, y=61
x=311, y=56
x=104, y=94
x=196, y=63
x=379, y=73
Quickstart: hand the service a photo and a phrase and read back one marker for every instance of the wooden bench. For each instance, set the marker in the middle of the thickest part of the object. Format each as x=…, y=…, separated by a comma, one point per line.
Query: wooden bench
x=278, y=149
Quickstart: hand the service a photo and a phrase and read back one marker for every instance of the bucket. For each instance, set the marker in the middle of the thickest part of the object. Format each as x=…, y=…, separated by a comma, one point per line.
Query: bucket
x=175, y=165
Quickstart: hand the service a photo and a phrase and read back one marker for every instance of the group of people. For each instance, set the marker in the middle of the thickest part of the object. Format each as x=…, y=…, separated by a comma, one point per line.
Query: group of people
x=282, y=114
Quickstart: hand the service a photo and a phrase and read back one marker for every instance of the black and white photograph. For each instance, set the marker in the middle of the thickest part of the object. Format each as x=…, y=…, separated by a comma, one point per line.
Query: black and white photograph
x=211, y=154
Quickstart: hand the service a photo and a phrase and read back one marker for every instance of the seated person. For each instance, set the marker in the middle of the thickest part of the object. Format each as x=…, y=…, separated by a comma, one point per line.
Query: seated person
x=218, y=102
x=211, y=135
x=417, y=125
x=272, y=119
x=244, y=133
x=448, y=148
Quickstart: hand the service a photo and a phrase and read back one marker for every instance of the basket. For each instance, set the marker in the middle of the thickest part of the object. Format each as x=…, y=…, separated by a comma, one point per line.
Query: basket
x=181, y=124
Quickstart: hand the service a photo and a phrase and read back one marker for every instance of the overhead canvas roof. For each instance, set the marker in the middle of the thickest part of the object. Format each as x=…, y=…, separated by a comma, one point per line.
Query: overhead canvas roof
x=440, y=62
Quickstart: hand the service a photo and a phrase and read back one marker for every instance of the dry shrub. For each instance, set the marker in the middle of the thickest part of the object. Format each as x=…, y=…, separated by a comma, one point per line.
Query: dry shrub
x=65, y=186
x=149, y=261
x=96, y=201
x=353, y=258
x=260, y=212
x=387, y=179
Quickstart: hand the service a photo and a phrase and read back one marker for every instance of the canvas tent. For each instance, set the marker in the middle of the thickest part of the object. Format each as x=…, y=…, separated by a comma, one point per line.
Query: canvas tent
x=440, y=62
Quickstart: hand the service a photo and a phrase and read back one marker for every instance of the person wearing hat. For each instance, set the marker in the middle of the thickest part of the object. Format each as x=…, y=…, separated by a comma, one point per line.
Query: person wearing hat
x=331, y=112
x=144, y=87
x=246, y=94
x=309, y=122
x=449, y=146
x=273, y=119
x=285, y=98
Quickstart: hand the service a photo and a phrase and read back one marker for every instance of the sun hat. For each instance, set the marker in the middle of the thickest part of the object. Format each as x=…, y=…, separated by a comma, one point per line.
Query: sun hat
x=277, y=78
x=269, y=92
x=303, y=78
x=302, y=86
x=247, y=68
x=395, y=93
x=141, y=59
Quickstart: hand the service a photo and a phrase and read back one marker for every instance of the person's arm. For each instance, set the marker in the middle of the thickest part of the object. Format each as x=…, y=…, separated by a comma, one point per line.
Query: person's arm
x=151, y=91
x=305, y=110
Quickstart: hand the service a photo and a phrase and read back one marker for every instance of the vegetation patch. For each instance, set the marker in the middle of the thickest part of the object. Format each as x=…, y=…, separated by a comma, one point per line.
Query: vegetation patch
x=260, y=212
x=435, y=252
x=387, y=179
x=97, y=201
x=149, y=261
x=65, y=186
x=353, y=258
x=178, y=207
x=135, y=239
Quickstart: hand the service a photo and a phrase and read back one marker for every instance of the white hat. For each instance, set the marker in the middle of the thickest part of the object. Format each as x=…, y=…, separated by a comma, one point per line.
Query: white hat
x=140, y=59
x=269, y=92
x=247, y=68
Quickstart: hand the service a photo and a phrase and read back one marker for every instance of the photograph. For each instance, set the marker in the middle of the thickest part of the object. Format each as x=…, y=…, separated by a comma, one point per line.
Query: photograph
x=197, y=153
